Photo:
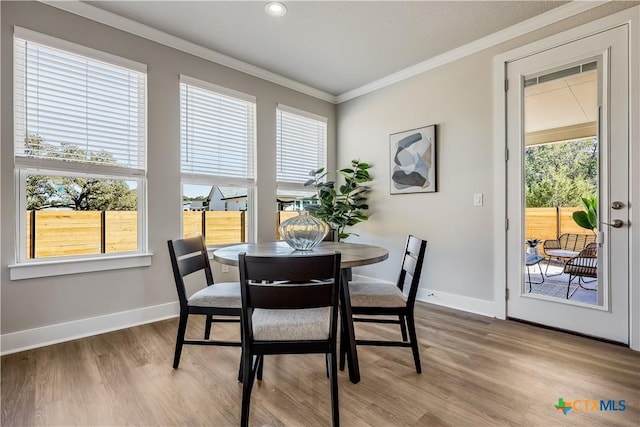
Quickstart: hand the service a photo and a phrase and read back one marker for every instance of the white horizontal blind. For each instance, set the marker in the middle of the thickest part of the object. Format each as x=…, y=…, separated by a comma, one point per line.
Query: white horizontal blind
x=78, y=109
x=301, y=141
x=217, y=135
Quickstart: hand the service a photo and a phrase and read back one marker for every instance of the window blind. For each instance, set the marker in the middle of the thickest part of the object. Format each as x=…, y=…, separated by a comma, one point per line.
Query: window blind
x=301, y=140
x=73, y=108
x=217, y=135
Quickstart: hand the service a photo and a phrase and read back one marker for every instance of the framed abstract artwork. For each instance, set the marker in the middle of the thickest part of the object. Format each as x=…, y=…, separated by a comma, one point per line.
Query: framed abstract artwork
x=413, y=161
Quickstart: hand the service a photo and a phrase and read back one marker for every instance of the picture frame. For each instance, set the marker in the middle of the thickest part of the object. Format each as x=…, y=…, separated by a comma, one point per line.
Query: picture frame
x=412, y=159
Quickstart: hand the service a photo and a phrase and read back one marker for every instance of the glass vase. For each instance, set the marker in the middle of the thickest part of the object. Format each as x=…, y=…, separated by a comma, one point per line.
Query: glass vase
x=303, y=232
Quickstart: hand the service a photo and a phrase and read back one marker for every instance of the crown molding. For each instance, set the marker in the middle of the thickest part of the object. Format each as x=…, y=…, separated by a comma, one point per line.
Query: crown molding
x=121, y=23
x=532, y=24
x=99, y=15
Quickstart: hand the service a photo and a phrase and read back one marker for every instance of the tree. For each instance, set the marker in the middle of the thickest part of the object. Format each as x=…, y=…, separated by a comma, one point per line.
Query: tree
x=561, y=174
x=79, y=193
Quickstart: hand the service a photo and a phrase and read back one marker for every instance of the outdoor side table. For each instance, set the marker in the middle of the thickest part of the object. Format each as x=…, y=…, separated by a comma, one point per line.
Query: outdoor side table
x=531, y=260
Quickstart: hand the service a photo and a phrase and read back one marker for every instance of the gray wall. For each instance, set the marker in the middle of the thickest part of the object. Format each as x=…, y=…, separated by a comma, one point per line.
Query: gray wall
x=34, y=303
x=458, y=97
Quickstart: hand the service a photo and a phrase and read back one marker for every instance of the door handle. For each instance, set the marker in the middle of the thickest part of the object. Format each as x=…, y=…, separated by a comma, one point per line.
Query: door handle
x=616, y=223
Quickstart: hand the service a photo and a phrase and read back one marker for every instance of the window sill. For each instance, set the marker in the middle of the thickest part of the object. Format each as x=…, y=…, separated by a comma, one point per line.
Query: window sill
x=31, y=270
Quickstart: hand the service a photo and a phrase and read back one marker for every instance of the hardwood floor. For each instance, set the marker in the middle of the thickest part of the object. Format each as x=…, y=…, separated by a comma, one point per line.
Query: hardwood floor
x=477, y=371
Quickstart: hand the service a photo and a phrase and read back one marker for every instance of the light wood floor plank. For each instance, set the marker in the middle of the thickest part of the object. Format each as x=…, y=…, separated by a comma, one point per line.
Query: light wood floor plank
x=477, y=371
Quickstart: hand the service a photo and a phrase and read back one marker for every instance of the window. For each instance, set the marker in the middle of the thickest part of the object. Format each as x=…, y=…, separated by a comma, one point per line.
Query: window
x=217, y=139
x=301, y=141
x=80, y=150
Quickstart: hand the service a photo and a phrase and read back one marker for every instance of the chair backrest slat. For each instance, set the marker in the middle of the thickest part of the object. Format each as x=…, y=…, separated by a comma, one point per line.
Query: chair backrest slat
x=286, y=296
x=191, y=264
x=187, y=246
x=409, y=265
x=413, y=245
x=412, y=265
x=294, y=268
x=188, y=256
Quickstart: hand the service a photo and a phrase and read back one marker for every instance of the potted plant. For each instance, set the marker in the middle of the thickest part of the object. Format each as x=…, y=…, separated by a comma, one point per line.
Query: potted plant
x=341, y=206
x=589, y=217
x=532, y=246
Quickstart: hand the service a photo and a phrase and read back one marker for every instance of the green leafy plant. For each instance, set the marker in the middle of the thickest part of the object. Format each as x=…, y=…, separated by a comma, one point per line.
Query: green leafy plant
x=589, y=217
x=341, y=206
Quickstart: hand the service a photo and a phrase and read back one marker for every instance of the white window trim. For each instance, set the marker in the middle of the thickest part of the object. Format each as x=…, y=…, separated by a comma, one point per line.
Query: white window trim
x=78, y=49
x=218, y=89
x=55, y=266
x=302, y=113
x=60, y=267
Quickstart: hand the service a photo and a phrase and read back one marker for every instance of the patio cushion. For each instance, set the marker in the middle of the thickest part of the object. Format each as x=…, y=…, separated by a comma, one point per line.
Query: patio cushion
x=562, y=253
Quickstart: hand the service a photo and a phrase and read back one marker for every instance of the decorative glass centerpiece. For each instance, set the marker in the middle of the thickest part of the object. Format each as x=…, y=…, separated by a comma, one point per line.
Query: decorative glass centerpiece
x=303, y=232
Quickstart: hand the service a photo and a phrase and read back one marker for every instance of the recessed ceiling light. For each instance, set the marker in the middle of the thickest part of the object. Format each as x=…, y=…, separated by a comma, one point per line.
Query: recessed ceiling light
x=275, y=8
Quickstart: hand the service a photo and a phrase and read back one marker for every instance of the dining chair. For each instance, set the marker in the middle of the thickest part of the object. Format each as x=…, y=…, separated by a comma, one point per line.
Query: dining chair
x=189, y=256
x=376, y=299
x=289, y=306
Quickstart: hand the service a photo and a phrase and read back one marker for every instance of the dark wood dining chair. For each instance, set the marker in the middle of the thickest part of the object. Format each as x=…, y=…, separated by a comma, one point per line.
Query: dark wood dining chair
x=380, y=301
x=289, y=306
x=189, y=256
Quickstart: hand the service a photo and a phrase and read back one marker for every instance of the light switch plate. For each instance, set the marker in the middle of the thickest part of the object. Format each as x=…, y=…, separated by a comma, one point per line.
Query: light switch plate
x=478, y=199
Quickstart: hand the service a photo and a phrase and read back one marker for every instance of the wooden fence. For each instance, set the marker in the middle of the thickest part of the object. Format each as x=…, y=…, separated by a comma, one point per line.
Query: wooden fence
x=64, y=233
x=549, y=223
x=218, y=227
x=61, y=233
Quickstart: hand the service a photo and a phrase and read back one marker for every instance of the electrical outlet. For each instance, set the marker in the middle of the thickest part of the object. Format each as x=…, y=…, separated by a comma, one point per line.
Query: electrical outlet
x=225, y=268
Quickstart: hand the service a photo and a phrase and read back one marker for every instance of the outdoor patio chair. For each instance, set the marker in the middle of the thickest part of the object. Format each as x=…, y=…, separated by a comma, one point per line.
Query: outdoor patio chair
x=584, y=265
x=565, y=247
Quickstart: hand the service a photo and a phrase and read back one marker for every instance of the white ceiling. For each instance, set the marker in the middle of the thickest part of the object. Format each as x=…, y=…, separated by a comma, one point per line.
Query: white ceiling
x=563, y=102
x=332, y=46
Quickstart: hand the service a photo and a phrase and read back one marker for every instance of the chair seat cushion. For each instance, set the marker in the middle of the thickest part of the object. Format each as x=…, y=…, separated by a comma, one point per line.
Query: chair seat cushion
x=291, y=325
x=562, y=253
x=373, y=294
x=223, y=295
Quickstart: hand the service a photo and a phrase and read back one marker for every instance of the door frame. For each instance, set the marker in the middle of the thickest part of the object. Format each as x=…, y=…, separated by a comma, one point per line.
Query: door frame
x=631, y=18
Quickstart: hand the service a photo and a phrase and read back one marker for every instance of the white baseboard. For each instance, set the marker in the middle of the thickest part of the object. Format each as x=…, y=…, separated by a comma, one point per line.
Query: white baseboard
x=38, y=337
x=458, y=302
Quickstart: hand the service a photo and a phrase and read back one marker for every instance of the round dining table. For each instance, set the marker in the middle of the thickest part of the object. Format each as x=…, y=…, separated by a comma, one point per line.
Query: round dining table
x=352, y=255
